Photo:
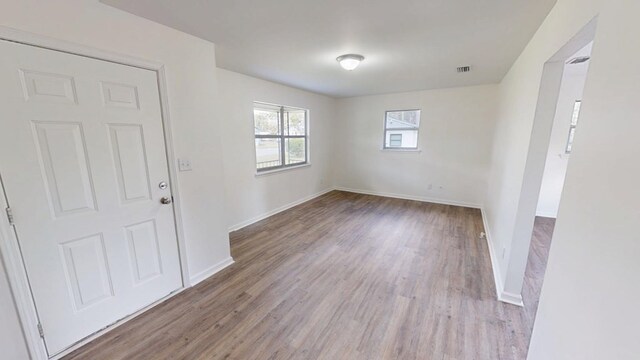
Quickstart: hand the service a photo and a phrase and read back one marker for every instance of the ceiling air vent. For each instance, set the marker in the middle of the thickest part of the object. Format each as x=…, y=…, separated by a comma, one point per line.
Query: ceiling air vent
x=579, y=60
x=464, y=69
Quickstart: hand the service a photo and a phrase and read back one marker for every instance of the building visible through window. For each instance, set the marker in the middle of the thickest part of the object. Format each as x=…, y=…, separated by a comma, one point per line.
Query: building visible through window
x=395, y=140
x=401, y=129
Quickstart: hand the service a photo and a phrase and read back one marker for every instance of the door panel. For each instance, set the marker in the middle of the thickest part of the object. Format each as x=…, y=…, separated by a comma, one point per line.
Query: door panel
x=87, y=270
x=81, y=155
x=143, y=247
x=130, y=160
x=120, y=95
x=63, y=158
x=45, y=87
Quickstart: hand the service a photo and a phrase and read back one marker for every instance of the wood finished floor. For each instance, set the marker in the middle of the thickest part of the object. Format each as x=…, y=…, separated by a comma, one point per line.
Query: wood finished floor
x=536, y=265
x=344, y=276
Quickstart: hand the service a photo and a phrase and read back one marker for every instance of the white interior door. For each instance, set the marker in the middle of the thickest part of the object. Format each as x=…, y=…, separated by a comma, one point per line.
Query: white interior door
x=82, y=155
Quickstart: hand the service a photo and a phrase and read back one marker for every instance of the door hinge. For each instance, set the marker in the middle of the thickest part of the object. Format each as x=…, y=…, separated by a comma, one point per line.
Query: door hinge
x=40, y=331
x=9, y=215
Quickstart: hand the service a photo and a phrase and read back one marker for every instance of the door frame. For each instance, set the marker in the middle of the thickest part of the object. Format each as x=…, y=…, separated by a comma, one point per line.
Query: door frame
x=544, y=117
x=9, y=245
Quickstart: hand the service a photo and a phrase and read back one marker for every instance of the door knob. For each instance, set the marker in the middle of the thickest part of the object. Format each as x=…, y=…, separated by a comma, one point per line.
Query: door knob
x=165, y=200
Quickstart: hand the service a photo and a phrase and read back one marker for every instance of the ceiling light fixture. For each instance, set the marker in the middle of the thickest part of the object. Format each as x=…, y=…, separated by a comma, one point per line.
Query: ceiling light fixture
x=350, y=61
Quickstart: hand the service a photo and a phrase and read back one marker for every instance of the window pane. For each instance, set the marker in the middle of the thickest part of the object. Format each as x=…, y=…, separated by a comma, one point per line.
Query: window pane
x=576, y=113
x=407, y=119
x=267, y=153
x=295, y=150
x=407, y=139
x=267, y=122
x=572, y=134
x=294, y=122
x=395, y=140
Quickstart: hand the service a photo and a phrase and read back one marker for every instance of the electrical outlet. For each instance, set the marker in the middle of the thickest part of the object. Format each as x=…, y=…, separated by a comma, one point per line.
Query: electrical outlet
x=184, y=165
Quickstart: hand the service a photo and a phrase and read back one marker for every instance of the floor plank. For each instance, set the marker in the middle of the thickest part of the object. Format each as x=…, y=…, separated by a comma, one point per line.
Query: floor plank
x=344, y=276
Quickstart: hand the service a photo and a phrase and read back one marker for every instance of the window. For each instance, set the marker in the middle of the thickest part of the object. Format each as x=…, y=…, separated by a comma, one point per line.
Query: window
x=401, y=129
x=280, y=136
x=574, y=123
x=395, y=140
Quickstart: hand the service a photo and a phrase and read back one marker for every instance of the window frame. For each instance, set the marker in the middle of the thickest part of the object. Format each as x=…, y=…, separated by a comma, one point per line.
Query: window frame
x=386, y=130
x=258, y=105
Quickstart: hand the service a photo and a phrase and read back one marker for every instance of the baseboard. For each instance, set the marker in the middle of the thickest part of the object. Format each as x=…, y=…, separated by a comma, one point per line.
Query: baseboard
x=506, y=297
x=510, y=298
x=411, y=197
x=205, y=274
x=280, y=209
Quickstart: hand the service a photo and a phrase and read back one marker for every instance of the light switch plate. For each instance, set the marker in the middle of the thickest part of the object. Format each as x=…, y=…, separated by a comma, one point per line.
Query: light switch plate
x=184, y=165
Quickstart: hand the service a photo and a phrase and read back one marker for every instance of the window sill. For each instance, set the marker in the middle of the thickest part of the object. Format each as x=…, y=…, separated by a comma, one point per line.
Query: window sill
x=275, y=171
x=401, y=150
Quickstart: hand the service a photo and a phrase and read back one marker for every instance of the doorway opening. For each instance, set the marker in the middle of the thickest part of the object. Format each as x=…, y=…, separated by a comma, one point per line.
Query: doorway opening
x=564, y=128
x=556, y=123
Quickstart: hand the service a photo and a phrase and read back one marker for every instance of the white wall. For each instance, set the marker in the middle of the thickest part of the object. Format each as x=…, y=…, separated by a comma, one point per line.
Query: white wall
x=518, y=96
x=456, y=129
x=588, y=308
x=589, y=303
x=191, y=80
x=555, y=168
x=251, y=197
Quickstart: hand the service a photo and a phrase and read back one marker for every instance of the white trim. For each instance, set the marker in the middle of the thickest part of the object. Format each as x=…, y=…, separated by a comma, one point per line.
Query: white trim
x=9, y=244
x=501, y=295
x=282, y=208
x=205, y=274
x=547, y=214
x=506, y=297
x=172, y=163
x=45, y=42
x=307, y=138
x=411, y=197
x=511, y=298
x=19, y=285
x=281, y=169
x=401, y=150
x=385, y=130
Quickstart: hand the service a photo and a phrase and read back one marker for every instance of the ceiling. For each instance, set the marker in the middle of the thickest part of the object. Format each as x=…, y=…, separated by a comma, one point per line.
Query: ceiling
x=408, y=44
